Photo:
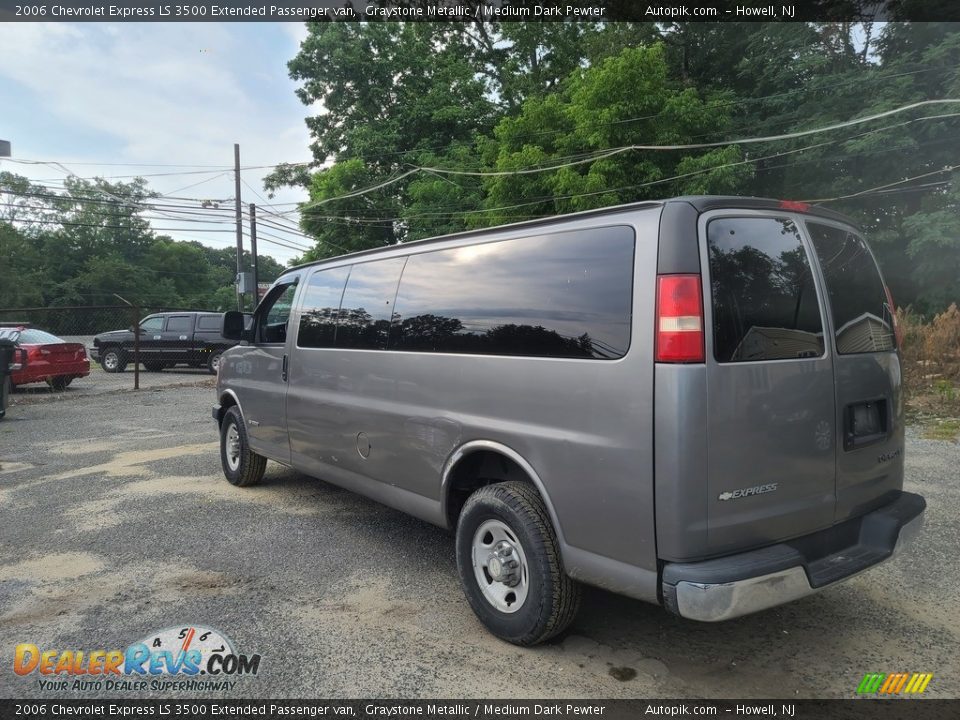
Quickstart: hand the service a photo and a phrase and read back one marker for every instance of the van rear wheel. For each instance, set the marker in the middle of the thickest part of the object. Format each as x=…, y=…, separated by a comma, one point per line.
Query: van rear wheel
x=510, y=566
x=241, y=466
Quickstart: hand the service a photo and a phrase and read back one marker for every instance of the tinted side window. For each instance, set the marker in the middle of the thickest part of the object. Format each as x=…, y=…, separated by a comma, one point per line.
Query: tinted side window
x=154, y=324
x=764, y=298
x=275, y=313
x=862, y=318
x=179, y=323
x=367, y=307
x=209, y=322
x=564, y=295
x=321, y=303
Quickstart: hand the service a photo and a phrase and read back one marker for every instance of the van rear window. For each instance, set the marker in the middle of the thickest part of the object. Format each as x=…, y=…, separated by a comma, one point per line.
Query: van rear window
x=862, y=319
x=764, y=298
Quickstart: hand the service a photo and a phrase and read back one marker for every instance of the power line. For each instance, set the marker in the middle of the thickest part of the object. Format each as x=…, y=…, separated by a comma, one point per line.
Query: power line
x=707, y=106
x=213, y=169
x=948, y=168
x=550, y=198
x=137, y=214
x=145, y=204
x=209, y=169
x=628, y=148
x=68, y=223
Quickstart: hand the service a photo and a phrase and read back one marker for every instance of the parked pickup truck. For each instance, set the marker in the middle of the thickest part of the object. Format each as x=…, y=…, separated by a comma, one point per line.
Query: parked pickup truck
x=166, y=339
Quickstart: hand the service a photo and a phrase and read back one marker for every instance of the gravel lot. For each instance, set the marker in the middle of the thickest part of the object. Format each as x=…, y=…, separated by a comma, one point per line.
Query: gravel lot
x=99, y=382
x=115, y=521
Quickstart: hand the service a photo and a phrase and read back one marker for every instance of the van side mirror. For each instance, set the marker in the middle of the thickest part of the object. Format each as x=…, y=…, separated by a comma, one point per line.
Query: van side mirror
x=235, y=325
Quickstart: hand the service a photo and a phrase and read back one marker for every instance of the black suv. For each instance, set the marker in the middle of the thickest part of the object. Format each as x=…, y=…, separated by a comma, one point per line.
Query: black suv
x=166, y=339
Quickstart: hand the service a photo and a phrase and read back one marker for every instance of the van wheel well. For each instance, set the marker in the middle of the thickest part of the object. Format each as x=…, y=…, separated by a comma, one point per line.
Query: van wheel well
x=479, y=468
x=226, y=402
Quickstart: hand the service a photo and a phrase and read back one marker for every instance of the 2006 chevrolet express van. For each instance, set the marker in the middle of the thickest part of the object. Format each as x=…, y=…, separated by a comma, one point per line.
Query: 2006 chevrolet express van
x=694, y=402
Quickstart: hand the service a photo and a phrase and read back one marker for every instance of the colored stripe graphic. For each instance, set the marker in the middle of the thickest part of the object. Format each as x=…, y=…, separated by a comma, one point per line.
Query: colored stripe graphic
x=898, y=686
x=894, y=683
x=871, y=682
x=889, y=682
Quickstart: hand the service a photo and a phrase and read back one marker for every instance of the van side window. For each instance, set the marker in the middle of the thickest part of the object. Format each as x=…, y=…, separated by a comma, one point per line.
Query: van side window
x=764, y=298
x=862, y=317
x=321, y=303
x=563, y=295
x=366, y=310
x=179, y=323
x=272, y=326
x=209, y=322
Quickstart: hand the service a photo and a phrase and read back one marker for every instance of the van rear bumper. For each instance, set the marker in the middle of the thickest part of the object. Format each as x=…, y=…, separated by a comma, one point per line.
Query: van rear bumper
x=740, y=584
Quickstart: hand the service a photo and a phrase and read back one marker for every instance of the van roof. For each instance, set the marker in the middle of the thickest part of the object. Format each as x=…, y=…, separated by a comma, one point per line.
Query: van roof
x=702, y=203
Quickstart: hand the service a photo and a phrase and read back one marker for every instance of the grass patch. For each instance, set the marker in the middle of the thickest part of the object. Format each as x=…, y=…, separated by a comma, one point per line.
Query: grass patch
x=942, y=430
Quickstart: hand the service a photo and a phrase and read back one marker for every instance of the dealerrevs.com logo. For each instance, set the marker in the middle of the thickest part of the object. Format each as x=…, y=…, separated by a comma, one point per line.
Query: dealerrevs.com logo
x=190, y=658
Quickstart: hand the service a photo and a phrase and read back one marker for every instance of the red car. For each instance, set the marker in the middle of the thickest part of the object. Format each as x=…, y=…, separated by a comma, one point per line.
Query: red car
x=49, y=359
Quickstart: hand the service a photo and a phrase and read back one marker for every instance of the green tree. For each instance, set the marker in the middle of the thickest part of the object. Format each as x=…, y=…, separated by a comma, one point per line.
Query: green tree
x=625, y=99
x=89, y=243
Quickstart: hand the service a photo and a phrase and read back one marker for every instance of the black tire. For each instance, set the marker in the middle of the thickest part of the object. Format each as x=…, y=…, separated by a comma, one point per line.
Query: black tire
x=250, y=466
x=552, y=598
x=59, y=383
x=113, y=360
x=154, y=366
x=213, y=361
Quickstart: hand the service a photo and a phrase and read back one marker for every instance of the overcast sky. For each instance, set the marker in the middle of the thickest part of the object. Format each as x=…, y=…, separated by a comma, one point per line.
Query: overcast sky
x=155, y=94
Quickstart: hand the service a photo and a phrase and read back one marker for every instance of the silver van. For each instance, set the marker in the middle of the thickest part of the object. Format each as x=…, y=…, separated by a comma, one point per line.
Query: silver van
x=694, y=402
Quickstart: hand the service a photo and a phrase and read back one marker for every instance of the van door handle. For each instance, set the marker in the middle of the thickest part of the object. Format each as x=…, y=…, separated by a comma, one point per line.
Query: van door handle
x=283, y=372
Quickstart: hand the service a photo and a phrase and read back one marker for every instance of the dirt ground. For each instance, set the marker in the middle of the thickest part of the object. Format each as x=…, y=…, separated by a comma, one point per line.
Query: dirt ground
x=116, y=522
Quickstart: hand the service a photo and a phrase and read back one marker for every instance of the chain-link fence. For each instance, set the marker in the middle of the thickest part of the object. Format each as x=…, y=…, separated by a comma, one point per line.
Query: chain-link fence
x=120, y=367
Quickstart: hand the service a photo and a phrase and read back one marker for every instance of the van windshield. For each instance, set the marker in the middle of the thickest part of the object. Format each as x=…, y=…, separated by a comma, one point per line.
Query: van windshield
x=862, y=317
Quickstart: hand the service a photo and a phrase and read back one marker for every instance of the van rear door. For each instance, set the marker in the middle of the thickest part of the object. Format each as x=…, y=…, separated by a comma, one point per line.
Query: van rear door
x=771, y=421
x=869, y=397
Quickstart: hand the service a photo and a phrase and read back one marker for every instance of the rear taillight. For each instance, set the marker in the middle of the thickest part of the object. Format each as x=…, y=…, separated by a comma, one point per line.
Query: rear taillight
x=679, y=319
x=893, y=317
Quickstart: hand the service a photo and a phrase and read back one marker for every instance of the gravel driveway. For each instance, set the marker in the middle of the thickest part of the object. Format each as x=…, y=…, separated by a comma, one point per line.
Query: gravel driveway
x=99, y=382
x=115, y=522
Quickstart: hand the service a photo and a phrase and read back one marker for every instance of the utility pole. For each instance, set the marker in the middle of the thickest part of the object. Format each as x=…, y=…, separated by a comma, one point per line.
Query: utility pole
x=253, y=252
x=236, y=178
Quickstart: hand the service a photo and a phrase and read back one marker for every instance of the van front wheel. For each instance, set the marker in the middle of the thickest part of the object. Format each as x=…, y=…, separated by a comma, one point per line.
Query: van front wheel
x=241, y=466
x=510, y=566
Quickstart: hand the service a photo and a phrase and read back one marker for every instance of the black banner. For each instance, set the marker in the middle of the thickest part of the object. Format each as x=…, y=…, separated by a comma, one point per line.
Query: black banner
x=867, y=709
x=475, y=10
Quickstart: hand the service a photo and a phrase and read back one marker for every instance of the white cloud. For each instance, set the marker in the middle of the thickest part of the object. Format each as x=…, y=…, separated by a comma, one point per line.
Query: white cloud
x=158, y=93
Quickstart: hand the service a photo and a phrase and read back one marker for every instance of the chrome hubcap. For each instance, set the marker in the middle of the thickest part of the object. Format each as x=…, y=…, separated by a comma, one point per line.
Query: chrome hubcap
x=233, y=447
x=500, y=566
x=111, y=361
x=215, y=362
